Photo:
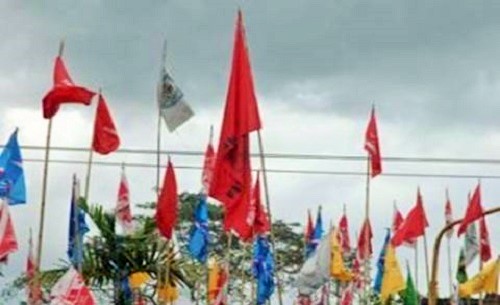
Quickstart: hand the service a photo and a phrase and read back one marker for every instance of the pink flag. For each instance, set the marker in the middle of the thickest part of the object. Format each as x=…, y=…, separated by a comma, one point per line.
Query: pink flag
x=71, y=290
x=8, y=240
x=123, y=213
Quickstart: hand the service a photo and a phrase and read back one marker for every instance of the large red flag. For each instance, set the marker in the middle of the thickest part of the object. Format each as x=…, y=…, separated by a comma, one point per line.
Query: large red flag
x=64, y=91
x=484, y=237
x=231, y=182
x=345, y=241
x=8, y=240
x=448, y=215
x=365, y=241
x=106, y=139
x=474, y=211
x=166, y=208
x=208, y=166
x=372, y=145
x=123, y=212
x=413, y=226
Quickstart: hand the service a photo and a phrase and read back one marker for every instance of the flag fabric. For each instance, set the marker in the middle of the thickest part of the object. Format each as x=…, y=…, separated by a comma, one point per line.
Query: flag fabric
x=34, y=292
x=77, y=226
x=365, y=241
x=64, y=91
x=397, y=220
x=380, y=264
x=166, y=209
x=318, y=230
x=357, y=276
x=344, y=234
x=231, y=182
x=263, y=269
x=123, y=212
x=410, y=294
x=12, y=184
x=471, y=244
x=347, y=295
x=217, y=281
x=486, y=281
x=168, y=293
x=324, y=297
x=448, y=215
x=372, y=145
x=337, y=268
x=106, y=139
x=413, y=226
x=199, y=237
x=484, y=240
x=172, y=105
x=474, y=211
x=257, y=220
x=392, y=281
x=461, y=275
x=308, y=235
x=316, y=270
x=208, y=166
x=70, y=289
x=8, y=240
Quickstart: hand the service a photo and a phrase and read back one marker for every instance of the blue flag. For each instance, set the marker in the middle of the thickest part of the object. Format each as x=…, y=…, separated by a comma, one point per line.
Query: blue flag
x=380, y=264
x=199, y=238
x=317, y=233
x=12, y=185
x=77, y=227
x=263, y=269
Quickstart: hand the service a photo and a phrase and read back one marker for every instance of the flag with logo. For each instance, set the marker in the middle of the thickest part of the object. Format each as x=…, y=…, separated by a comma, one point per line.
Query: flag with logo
x=123, y=212
x=372, y=146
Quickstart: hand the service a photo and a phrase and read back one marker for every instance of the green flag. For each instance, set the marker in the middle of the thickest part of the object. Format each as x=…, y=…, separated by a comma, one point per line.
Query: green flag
x=410, y=294
x=461, y=269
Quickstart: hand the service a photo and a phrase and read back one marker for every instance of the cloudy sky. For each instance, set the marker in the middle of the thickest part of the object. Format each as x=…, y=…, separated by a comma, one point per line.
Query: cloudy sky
x=430, y=69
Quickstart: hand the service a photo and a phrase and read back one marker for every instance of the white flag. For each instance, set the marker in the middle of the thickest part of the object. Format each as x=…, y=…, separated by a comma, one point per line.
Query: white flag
x=71, y=290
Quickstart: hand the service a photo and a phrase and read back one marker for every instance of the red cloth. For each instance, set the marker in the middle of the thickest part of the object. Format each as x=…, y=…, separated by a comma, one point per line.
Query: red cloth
x=372, y=145
x=123, y=212
x=365, y=249
x=257, y=220
x=448, y=216
x=309, y=228
x=397, y=220
x=413, y=226
x=208, y=166
x=484, y=236
x=106, y=138
x=64, y=91
x=345, y=241
x=231, y=182
x=8, y=240
x=474, y=211
x=167, y=207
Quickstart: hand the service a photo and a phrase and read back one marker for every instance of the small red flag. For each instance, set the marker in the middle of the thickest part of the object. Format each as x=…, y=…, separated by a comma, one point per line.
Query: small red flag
x=166, y=208
x=257, y=218
x=106, y=139
x=8, y=240
x=365, y=241
x=448, y=215
x=208, y=166
x=372, y=145
x=309, y=227
x=231, y=182
x=413, y=226
x=397, y=220
x=64, y=91
x=123, y=212
x=484, y=236
x=474, y=211
x=345, y=241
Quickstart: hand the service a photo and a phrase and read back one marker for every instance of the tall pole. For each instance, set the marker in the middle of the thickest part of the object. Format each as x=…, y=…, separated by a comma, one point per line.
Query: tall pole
x=367, y=236
x=416, y=265
x=450, y=272
x=480, y=268
x=268, y=205
x=89, y=164
x=44, y=182
x=426, y=256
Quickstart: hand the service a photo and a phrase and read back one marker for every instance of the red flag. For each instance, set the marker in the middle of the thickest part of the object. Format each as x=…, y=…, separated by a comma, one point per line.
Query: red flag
x=166, y=209
x=309, y=227
x=257, y=217
x=448, y=215
x=123, y=212
x=34, y=291
x=208, y=166
x=345, y=241
x=106, y=139
x=365, y=241
x=8, y=240
x=356, y=271
x=413, y=226
x=70, y=289
x=64, y=91
x=372, y=145
x=474, y=211
x=397, y=219
x=484, y=236
x=231, y=182
x=347, y=295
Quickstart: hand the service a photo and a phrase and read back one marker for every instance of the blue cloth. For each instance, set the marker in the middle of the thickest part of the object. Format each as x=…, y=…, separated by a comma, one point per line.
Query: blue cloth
x=377, y=286
x=12, y=185
x=199, y=237
x=77, y=229
x=263, y=269
x=316, y=236
x=125, y=288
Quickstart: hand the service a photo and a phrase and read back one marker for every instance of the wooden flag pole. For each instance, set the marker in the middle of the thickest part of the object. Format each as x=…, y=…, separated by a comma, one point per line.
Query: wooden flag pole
x=480, y=297
x=450, y=272
x=45, y=182
x=416, y=266
x=426, y=256
x=89, y=163
x=367, y=236
x=268, y=205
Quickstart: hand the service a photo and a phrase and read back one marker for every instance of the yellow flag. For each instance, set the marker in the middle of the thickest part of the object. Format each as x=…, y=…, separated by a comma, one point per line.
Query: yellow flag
x=138, y=279
x=485, y=281
x=337, y=267
x=392, y=281
x=213, y=280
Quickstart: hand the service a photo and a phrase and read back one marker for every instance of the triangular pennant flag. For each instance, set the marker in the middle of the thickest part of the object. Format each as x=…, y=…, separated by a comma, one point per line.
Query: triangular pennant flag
x=106, y=138
x=337, y=268
x=123, y=212
x=474, y=211
x=484, y=240
x=413, y=226
x=485, y=281
x=208, y=166
x=393, y=281
x=167, y=206
x=372, y=145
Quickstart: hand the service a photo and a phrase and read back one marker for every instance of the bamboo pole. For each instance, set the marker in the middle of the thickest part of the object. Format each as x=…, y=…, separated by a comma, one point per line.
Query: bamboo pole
x=268, y=205
x=45, y=182
x=89, y=163
x=450, y=272
x=426, y=256
x=416, y=265
x=433, y=291
x=367, y=236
